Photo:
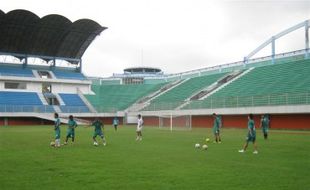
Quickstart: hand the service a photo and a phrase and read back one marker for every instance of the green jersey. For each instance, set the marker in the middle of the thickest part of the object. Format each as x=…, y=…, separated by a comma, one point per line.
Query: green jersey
x=265, y=123
x=251, y=127
x=98, y=128
x=72, y=124
x=57, y=124
x=216, y=123
x=98, y=125
x=57, y=128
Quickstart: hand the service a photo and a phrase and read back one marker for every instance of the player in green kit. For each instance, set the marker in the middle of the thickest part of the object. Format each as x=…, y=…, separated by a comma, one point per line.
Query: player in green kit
x=57, y=130
x=98, y=132
x=265, y=125
x=115, y=123
x=216, y=128
x=71, y=129
x=251, y=137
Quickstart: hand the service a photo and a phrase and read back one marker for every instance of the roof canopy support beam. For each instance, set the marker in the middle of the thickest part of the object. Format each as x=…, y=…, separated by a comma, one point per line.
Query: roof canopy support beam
x=273, y=48
x=305, y=24
x=25, y=56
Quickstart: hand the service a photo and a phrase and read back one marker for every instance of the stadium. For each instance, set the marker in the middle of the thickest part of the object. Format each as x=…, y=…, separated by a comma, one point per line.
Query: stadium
x=41, y=72
x=29, y=93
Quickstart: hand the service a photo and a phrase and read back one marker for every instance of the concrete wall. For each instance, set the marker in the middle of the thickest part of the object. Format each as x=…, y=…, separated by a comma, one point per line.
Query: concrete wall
x=1, y=121
x=24, y=121
x=70, y=89
x=56, y=88
x=151, y=121
x=278, y=121
x=58, y=85
x=281, y=121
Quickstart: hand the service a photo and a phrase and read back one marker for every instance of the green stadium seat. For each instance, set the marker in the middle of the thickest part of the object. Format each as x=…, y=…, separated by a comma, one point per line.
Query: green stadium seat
x=278, y=84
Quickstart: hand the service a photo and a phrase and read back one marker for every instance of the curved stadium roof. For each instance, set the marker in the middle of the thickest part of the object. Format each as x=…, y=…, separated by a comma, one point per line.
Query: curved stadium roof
x=23, y=32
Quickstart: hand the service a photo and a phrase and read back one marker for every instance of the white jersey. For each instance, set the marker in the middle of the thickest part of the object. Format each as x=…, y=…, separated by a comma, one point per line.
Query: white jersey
x=140, y=124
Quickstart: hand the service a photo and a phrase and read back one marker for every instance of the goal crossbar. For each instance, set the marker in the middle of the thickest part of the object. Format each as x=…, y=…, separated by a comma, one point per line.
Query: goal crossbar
x=175, y=122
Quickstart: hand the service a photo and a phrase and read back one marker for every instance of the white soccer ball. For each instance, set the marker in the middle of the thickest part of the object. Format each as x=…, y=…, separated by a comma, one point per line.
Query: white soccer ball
x=52, y=143
x=205, y=147
x=207, y=140
x=95, y=144
x=197, y=145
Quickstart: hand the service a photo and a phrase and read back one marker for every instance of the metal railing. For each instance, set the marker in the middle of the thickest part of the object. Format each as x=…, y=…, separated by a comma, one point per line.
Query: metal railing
x=42, y=109
x=74, y=109
x=236, y=102
x=284, y=99
x=16, y=75
x=227, y=67
x=102, y=109
x=26, y=108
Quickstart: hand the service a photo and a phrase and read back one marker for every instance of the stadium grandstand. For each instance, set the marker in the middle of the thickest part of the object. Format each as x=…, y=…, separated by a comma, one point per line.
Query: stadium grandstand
x=36, y=89
x=278, y=84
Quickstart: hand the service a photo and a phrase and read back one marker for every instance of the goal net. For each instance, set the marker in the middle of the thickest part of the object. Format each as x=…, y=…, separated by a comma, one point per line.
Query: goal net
x=175, y=122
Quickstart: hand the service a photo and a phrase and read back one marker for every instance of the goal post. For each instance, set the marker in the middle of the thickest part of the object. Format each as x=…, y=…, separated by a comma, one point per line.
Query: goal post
x=175, y=122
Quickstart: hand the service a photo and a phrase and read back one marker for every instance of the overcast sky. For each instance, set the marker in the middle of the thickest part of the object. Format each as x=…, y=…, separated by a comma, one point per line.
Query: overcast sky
x=175, y=35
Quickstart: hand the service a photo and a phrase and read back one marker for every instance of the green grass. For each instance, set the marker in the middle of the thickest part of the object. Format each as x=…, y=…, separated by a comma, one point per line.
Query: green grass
x=163, y=160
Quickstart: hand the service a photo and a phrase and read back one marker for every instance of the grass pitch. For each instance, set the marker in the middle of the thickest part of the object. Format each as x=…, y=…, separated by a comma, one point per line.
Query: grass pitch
x=163, y=160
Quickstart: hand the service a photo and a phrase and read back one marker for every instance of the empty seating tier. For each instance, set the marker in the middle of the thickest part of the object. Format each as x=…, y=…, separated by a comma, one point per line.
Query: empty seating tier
x=111, y=98
x=278, y=84
x=22, y=102
x=68, y=75
x=16, y=70
x=73, y=104
x=175, y=97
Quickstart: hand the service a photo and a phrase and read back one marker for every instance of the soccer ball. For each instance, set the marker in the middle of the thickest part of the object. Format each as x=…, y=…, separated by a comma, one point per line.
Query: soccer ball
x=52, y=143
x=204, y=147
x=95, y=144
x=207, y=140
x=197, y=145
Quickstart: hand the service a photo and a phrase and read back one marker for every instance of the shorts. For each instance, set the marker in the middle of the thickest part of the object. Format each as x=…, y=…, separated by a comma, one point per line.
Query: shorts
x=265, y=130
x=139, y=130
x=70, y=133
x=216, y=131
x=251, y=138
x=57, y=134
x=98, y=133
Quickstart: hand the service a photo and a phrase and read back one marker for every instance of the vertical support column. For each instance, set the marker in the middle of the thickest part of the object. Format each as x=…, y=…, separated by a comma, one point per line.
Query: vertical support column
x=80, y=68
x=307, y=38
x=53, y=66
x=245, y=61
x=26, y=61
x=273, y=48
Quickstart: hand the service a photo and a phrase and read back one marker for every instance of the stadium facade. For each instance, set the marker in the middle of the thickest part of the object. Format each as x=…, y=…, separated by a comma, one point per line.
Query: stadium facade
x=278, y=84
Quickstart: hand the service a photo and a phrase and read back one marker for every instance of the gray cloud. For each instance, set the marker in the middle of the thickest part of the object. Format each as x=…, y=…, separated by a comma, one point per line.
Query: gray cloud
x=175, y=35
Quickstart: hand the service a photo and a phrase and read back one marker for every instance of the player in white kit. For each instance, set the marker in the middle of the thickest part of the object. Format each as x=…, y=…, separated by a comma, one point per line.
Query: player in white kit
x=139, y=128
